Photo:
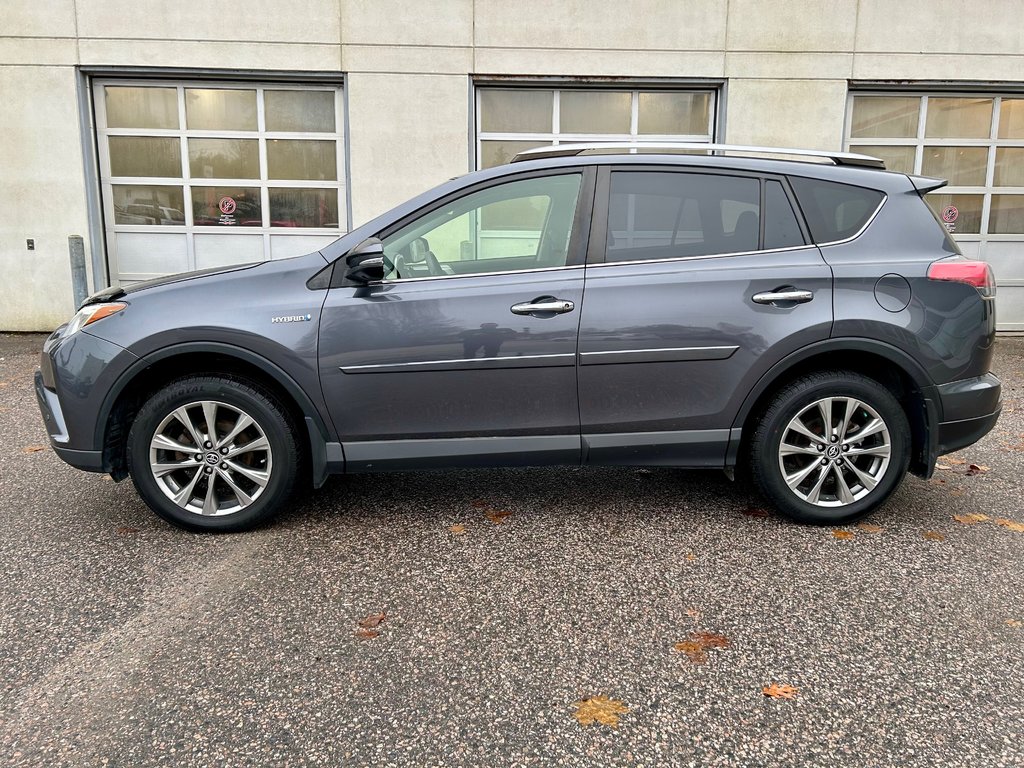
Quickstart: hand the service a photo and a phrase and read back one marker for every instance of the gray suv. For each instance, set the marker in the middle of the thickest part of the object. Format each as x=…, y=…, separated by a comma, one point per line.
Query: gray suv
x=808, y=320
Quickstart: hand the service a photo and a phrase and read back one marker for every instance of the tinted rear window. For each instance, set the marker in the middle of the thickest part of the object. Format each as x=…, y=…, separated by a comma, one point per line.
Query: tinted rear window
x=834, y=211
x=658, y=215
x=781, y=229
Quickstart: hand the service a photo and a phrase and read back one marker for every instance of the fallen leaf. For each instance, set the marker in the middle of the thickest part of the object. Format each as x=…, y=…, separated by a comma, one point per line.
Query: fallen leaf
x=971, y=518
x=599, y=709
x=458, y=528
x=696, y=646
x=870, y=527
x=33, y=448
x=976, y=469
x=842, y=535
x=954, y=460
x=690, y=556
x=934, y=536
x=1013, y=525
x=478, y=503
x=693, y=650
x=126, y=530
x=693, y=613
x=943, y=466
x=497, y=516
x=711, y=639
x=755, y=512
x=1014, y=623
x=777, y=691
x=367, y=634
x=373, y=620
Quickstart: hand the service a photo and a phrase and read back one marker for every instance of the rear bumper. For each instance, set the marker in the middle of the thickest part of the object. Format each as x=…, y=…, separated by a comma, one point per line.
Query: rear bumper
x=954, y=435
x=970, y=408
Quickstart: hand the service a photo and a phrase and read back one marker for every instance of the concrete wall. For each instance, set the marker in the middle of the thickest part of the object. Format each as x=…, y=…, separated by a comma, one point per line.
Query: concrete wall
x=409, y=66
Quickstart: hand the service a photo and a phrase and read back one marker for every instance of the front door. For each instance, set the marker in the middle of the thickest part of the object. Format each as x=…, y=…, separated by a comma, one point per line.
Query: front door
x=466, y=353
x=692, y=294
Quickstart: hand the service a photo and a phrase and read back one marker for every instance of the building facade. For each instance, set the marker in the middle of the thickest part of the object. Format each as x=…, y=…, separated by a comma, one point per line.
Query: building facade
x=174, y=137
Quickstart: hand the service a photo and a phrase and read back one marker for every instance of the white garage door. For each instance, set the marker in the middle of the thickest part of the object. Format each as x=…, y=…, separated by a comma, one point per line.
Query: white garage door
x=977, y=143
x=200, y=174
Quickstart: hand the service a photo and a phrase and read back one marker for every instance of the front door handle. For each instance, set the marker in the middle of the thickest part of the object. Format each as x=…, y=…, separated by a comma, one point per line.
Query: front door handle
x=783, y=295
x=543, y=305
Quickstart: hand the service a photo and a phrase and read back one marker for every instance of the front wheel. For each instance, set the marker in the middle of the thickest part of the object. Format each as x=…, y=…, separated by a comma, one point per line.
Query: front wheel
x=213, y=454
x=831, y=447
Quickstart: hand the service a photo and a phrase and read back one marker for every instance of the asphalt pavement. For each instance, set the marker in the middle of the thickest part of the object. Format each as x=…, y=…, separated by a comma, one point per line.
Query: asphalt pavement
x=125, y=642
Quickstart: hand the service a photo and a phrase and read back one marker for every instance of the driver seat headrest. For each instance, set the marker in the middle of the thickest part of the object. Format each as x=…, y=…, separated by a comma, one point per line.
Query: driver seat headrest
x=418, y=250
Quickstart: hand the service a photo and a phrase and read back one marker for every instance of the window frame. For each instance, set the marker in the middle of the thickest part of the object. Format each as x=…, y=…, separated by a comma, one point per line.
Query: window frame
x=555, y=137
x=597, y=250
x=106, y=182
x=578, y=237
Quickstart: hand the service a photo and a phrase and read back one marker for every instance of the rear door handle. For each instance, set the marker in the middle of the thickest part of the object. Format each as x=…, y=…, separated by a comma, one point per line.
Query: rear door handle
x=783, y=295
x=543, y=305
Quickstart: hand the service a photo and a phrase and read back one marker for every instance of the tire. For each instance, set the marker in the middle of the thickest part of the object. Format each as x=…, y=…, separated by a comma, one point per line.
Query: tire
x=253, y=466
x=860, y=474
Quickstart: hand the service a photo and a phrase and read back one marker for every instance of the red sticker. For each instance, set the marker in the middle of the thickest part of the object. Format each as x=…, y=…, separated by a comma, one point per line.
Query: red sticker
x=227, y=205
x=949, y=214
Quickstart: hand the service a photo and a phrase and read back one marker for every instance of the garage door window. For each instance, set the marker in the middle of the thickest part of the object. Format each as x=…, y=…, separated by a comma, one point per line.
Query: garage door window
x=196, y=175
x=976, y=142
x=510, y=120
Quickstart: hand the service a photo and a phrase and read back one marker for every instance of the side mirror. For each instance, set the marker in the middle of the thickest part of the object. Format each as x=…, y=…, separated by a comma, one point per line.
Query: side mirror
x=365, y=263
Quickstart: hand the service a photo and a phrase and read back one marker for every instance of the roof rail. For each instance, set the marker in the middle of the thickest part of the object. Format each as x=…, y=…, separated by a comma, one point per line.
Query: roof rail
x=570, y=150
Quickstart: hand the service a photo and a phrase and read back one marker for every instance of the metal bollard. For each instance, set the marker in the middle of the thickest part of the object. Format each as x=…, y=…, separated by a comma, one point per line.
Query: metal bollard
x=79, y=279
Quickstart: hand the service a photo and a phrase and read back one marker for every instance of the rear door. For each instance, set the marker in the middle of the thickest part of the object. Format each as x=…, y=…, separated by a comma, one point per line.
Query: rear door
x=691, y=295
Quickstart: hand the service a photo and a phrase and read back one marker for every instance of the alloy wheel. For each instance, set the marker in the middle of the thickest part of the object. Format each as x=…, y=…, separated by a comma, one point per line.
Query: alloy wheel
x=210, y=458
x=834, y=451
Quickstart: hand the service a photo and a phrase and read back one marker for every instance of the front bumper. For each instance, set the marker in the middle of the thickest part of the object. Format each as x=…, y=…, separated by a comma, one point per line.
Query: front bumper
x=53, y=418
x=76, y=374
x=970, y=408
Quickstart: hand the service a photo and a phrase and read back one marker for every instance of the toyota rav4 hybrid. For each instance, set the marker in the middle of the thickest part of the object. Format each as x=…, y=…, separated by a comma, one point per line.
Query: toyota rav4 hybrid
x=807, y=321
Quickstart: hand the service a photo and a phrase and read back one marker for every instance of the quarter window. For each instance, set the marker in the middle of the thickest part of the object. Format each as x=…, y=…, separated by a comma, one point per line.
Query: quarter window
x=659, y=215
x=834, y=211
x=525, y=224
x=510, y=120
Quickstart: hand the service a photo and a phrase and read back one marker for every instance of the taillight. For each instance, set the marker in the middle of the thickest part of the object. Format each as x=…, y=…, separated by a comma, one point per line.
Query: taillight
x=976, y=273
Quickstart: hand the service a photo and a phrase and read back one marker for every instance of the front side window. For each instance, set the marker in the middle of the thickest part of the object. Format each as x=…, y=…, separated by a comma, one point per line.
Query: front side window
x=659, y=215
x=524, y=224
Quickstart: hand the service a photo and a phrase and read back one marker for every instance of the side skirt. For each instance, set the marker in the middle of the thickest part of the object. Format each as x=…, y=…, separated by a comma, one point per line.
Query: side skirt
x=686, y=448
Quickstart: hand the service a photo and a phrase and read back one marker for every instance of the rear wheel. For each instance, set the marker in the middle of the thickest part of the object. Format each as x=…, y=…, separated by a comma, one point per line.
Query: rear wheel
x=213, y=454
x=831, y=447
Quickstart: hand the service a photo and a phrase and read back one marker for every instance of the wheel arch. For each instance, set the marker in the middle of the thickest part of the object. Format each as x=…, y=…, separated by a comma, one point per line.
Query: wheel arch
x=889, y=365
x=152, y=371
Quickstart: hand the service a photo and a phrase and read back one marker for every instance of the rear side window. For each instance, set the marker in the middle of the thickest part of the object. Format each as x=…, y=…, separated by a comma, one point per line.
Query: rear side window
x=834, y=211
x=781, y=229
x=661, y=215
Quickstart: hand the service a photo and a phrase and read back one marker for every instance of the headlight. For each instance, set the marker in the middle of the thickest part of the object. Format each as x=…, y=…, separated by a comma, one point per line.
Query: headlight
x=91, y=314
